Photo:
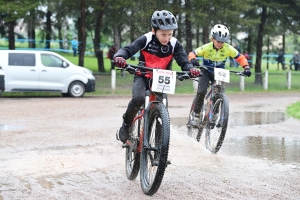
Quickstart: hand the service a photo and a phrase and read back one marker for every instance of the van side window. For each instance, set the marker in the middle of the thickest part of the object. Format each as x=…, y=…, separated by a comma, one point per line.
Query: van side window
x=21, y=59
x=49, y=60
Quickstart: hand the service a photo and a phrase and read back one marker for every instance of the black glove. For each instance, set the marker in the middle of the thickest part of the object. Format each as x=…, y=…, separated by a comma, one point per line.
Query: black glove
x=120, y=62
x=247, y=71
x=195, y=62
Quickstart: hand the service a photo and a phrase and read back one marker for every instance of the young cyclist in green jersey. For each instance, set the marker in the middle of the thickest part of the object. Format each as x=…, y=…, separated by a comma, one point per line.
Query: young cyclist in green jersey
x=214, y=54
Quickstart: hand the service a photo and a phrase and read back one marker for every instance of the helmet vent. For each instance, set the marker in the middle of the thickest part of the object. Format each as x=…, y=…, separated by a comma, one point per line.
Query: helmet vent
x=173, y=20
x=168, y=22
x=160, y=21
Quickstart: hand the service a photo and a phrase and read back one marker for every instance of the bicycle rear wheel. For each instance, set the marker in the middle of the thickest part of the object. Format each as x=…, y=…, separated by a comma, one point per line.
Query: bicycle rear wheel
x=216, y=129
x=132, y=156
x=155, y=149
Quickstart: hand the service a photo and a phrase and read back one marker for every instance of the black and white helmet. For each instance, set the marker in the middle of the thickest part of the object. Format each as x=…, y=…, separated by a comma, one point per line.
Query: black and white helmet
x=163, y=20
x=220, y=33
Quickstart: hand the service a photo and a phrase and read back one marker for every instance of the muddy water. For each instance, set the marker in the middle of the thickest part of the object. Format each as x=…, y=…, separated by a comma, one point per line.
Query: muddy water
x=276, y=149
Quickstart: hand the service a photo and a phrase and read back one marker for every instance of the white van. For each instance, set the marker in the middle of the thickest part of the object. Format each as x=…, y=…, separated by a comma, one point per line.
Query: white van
x=2, y=85
x=45, y=71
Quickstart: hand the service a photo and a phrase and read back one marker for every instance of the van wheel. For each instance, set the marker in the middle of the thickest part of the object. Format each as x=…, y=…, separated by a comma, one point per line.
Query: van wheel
x=76, y=89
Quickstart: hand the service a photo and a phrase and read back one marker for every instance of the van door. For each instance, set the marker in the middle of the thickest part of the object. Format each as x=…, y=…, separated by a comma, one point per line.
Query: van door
x=22, y=73
x=53, y=76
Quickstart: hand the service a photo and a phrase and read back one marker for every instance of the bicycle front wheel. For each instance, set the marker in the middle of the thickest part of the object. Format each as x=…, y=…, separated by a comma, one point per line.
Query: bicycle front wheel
x=216, y=128
x=132, y=156
x=155, y=149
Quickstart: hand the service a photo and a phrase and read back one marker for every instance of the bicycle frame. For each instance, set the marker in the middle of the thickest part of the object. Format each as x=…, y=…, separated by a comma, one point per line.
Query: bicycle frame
x=149, y=100
x=148, y=145
x=215, y=111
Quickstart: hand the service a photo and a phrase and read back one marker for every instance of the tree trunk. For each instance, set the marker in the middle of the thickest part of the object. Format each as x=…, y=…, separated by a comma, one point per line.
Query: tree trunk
x=132, y=31
x=11, y=35
x=188, y=26
x=82, y=42
x=250, y=48
x=117, y=37
x=79, y=36
x=60, y=38
x=31, y=29
x=258, y=74
x=283, y=42
x=197, y=36
x=97, y=39
x=178, y=33
x=48, y=30
x=205, y=33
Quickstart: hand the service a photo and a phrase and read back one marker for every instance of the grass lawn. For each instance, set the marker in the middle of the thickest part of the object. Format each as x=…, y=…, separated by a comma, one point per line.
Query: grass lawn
x=277, y=80
x=294, y=110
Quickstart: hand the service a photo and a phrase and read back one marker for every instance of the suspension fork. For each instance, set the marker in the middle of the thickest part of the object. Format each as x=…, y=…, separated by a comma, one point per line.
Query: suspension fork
x=209, y=98
x=140, y=117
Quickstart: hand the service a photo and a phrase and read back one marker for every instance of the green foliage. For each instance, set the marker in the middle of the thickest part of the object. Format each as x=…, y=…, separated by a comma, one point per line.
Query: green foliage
x=294, y=110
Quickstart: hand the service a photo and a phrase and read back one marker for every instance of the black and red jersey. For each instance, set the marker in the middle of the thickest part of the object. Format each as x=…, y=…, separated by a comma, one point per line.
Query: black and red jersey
x=156, y=55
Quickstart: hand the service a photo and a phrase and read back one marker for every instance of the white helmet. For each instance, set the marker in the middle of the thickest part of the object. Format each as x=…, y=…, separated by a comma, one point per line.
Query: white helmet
x=220, y=33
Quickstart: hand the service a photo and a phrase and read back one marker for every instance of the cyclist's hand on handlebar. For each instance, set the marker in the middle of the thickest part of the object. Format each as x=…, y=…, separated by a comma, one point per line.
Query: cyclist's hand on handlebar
x=247, y=71
x=195, y=72
x=195, y=62
x=120, y=62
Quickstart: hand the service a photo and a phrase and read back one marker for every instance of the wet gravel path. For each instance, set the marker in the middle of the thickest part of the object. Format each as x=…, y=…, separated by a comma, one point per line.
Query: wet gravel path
x=64, y=148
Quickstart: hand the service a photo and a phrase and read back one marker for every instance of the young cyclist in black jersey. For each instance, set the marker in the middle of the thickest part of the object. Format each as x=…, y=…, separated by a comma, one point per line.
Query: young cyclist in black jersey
x=157, y=49
x=214, y=54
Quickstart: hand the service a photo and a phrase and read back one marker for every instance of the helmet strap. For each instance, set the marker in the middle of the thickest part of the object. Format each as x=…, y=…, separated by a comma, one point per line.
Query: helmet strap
x=154, y=31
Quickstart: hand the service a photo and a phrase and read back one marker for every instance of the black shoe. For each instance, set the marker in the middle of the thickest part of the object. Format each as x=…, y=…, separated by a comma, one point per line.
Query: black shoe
x=124, y=132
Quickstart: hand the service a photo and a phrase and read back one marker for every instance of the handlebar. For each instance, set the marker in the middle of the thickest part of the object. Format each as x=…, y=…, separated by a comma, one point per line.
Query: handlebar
x=238, y=73
x=141, y=69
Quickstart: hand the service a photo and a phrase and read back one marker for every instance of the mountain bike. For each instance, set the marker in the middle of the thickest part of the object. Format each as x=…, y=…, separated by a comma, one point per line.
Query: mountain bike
x=148, y=145
x=214, y=113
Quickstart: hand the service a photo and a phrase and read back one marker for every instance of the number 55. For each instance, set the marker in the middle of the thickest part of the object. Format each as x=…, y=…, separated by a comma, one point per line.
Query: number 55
x=162, y=79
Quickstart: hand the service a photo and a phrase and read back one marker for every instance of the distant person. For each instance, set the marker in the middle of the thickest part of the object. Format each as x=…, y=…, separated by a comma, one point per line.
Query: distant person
x=296, y=60
x=280, y=60
x=74, y=44
x=111, y=52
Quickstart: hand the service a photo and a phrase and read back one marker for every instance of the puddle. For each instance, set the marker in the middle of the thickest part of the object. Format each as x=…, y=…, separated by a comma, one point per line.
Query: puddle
x=255, y=118
x=276, y=149
x=8, y=127
x=244, y=118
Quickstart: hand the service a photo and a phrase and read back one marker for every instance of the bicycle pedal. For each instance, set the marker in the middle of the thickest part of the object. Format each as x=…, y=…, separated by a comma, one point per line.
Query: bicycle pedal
x=125, y=145
x=218, y=125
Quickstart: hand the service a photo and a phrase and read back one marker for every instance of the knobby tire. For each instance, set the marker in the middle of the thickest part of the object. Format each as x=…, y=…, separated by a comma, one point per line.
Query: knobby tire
x=215, y=134
x=154, y=157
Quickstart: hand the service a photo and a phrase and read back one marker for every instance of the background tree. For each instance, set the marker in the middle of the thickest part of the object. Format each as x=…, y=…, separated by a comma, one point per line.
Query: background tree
x=11, y=11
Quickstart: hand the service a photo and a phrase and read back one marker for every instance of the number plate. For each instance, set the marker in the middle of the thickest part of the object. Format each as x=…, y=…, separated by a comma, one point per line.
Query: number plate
x=164, y=81
x=222, y=75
